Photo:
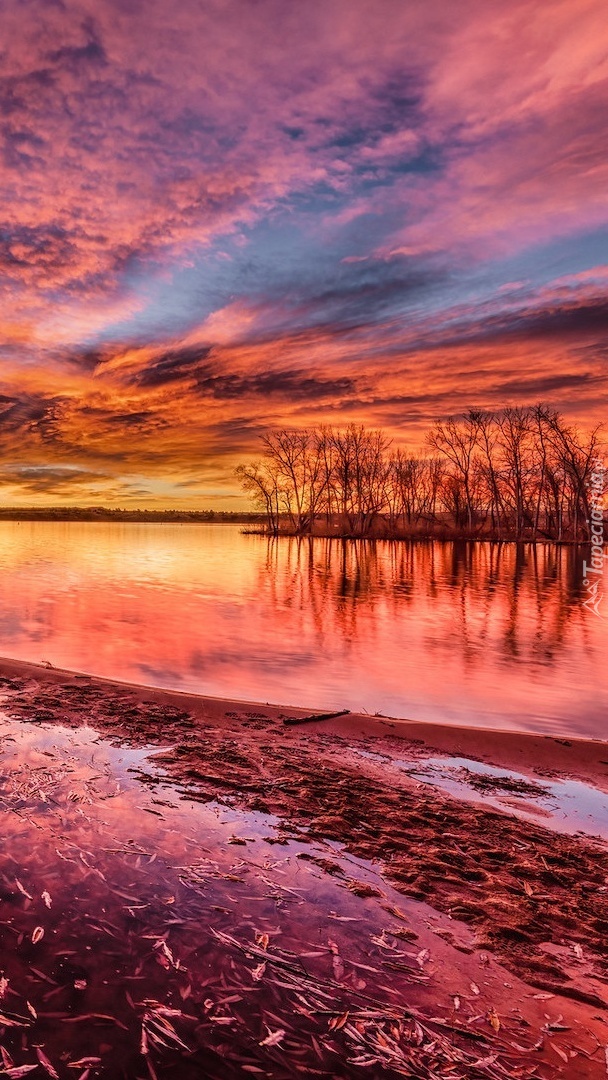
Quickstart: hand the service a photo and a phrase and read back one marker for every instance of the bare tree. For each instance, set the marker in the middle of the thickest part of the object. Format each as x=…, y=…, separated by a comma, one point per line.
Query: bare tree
x=513, y=474
x=516, y=443
x=577, y=456
x=487, y=431
x=457, y=440
x=297, y=459
x=260, y=481
x=370, y=475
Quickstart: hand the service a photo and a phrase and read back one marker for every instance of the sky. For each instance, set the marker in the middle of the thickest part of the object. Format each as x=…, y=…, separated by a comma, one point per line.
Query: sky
x=222, y=216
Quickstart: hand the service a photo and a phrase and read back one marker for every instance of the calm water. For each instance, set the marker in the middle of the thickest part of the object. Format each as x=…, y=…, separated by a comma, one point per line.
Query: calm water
x=467, y=634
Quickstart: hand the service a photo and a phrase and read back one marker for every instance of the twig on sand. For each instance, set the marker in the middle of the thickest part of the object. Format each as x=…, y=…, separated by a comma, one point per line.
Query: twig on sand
x=314, y=716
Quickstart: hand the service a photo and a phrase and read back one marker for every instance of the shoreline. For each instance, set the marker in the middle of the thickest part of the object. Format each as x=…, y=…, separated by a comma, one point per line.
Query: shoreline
x=496, y=902
x=426, y=538
x=574, y=756
x=253, y=528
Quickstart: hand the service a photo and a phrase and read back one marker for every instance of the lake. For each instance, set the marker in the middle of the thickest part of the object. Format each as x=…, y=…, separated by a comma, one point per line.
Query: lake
x=475, y=634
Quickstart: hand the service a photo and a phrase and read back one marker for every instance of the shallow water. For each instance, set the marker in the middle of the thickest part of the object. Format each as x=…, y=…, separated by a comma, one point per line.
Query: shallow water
x=567, y=806
x=147, y=935
x=456, y=633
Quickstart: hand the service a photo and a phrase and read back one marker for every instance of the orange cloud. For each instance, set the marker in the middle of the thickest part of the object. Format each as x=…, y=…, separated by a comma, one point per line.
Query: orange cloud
x=250, y=215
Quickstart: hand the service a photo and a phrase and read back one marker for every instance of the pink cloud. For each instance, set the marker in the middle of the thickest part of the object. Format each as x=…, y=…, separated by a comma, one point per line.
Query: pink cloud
x=138, y=139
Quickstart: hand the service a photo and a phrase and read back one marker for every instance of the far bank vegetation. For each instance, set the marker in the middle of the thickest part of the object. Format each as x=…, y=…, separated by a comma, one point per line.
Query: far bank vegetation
x=520, y=473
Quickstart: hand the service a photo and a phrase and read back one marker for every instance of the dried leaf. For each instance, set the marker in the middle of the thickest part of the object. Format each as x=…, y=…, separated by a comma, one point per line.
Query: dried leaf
x=7, y=1060
x=19, y=1070
x=337, y=1022
x=392, y=910
x=475, y=988
x=46, y=1064
x=273, y=1038
x=493, y=1019
x=23, y=891
x=46, y=896
x=558, y=1050
x=8, y=1021
x=338, y=967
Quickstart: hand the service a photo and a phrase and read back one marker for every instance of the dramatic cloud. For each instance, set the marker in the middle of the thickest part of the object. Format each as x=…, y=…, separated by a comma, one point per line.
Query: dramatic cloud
x=219, y=217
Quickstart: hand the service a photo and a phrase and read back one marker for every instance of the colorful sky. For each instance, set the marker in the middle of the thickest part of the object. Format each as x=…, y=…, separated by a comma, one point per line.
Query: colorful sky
x=221, y=216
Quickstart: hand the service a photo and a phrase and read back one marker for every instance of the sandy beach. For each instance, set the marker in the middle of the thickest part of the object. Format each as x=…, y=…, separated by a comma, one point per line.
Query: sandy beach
x=470, y=870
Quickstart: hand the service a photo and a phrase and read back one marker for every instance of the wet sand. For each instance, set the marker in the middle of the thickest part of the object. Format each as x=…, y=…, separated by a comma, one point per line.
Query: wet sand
x=337, y=861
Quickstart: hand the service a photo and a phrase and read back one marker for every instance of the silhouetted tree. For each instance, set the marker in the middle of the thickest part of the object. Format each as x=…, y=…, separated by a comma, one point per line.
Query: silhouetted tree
x=516, y=473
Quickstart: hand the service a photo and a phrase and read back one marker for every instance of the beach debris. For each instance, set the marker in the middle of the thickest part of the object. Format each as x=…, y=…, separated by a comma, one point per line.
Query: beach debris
x=274, y=1037
x=17, y=1071
x=395, y=911
x=14, y=1021
x=558, y=1050
x=23, y=890
x=494, y=1020
x=157, y=1031
x=336, y=961
x=315, y=716
x=256, y=976
x=46, y=1064
x=363, y=888
x=337, y=1022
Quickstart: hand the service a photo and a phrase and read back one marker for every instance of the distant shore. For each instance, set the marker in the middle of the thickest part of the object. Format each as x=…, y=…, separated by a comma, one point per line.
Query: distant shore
x=104, y=513
x=253, y=525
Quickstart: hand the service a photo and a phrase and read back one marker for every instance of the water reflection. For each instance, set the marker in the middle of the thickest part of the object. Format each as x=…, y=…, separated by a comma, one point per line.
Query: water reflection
x=464, y=633
x=123, y=909
x=148, y=935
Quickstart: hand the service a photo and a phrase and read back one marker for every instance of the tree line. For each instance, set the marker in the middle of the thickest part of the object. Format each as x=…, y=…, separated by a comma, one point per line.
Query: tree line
x=516, y=473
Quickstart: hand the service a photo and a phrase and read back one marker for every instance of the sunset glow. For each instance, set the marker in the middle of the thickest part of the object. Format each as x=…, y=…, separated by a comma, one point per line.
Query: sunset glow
x=221, y=217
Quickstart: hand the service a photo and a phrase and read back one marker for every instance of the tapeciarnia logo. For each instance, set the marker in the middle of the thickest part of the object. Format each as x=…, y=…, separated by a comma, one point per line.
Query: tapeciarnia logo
x=594, y=570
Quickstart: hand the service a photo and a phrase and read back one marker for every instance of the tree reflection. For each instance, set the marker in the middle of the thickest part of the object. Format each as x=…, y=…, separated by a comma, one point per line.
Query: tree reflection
x=521, y=600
